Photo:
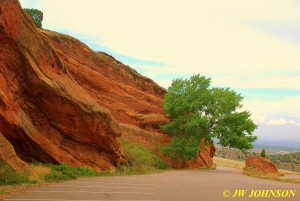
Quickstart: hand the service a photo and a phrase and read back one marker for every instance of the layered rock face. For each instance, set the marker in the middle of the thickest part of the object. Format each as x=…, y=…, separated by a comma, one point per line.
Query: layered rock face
x=130, y=97
x=56, y=96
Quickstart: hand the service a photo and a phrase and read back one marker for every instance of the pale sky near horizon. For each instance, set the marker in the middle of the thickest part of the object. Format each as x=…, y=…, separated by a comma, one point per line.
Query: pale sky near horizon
x=252, y=46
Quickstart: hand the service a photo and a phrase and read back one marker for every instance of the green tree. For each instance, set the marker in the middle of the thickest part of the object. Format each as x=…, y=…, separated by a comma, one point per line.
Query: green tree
x=36, y=16
x=263, y=153
x=198, y=112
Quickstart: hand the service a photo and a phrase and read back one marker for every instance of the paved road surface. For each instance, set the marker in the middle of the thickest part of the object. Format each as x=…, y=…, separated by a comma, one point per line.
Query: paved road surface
x=183, y=185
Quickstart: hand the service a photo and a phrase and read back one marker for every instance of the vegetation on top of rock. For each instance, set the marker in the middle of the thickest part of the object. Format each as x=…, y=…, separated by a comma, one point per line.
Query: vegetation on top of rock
x=36, y=16
x=199, y=111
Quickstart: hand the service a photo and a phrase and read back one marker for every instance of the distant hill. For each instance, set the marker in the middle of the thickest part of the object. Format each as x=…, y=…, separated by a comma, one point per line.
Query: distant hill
x=289, y=161
x=278, y=146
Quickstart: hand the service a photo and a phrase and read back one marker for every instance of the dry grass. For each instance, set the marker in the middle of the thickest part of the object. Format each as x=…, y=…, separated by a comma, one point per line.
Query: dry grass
x=228, y=163
x=152, y=121
x=252, y=173
x=38, y=173
x=152, y=117
x=281, y=171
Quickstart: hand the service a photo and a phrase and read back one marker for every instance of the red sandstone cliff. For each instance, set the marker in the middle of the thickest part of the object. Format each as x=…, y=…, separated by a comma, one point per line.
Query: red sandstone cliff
x=60, y=101
x=45, y=114
x=131, y=98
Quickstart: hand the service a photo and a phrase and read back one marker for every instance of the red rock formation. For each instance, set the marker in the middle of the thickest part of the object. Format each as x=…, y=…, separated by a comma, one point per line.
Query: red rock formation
x=44, y=112
x=131, y=98
x=260, y=165
x=60, y=101
x=204, y=157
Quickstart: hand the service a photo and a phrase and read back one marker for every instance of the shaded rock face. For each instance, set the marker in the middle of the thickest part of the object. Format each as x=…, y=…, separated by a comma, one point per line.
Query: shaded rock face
x=261, y=165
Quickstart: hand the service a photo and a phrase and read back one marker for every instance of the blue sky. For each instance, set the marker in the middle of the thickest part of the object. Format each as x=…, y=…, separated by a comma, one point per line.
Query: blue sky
x=252, y=46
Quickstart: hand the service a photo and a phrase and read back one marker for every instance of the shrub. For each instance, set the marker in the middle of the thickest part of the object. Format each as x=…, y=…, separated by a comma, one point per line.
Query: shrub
x=142, y=160
x=38, y=172
x=10, y=177
x=160, y=164
x=65, y=172
x=263, y=153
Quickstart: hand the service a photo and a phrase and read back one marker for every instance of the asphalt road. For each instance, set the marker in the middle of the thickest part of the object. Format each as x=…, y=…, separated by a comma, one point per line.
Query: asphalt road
x=183, y=185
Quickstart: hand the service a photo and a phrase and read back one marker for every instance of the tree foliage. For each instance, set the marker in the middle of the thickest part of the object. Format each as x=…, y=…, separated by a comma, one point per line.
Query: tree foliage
x=263, y=153
x=199, y=111
x=36, y=16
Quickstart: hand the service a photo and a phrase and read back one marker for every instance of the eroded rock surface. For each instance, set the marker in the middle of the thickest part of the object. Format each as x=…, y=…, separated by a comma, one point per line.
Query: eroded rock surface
x=130, y=97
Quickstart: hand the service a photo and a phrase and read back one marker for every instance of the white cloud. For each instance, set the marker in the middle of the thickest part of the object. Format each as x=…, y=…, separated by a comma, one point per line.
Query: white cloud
x=258, y=119
x=281, y=121
x=289, y=105
x=291, y=81
x=264, y=111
